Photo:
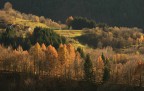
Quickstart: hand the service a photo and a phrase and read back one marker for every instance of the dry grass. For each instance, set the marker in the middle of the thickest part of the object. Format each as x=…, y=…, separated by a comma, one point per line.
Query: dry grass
x=70, y=33
x=28, y=23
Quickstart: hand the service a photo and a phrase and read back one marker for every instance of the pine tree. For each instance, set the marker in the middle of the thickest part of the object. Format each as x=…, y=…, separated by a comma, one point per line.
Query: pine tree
x=88, y=69
x=103, y=58
x=106, y=74
x=80, y=50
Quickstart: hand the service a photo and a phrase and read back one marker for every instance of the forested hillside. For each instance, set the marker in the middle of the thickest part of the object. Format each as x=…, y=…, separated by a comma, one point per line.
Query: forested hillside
x=40, y=54
x=113, y=12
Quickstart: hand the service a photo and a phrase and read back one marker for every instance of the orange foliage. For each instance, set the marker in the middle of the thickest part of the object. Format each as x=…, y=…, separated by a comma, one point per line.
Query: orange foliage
x=43, y=47
x=100, y=64
x=51, y=52
x=63, y=54
x=71, y=53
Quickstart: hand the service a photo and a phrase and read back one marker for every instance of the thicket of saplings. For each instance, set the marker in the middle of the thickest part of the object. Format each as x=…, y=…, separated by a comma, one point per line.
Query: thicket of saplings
x=116, y=37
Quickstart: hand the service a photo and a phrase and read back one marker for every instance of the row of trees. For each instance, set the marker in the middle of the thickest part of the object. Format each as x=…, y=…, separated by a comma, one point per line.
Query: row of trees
x=41, y=35
x=80, y=23
x=68, y=63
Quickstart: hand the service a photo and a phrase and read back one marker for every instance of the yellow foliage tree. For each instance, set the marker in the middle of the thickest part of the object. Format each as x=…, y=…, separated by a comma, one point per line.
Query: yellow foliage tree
x=139, y=73
x=71, y=53
x=51, y=58
x=62, y=54
x=99, y=69
x=63, y=57
x=37, y=54
x=44, y=47
x=78, y=66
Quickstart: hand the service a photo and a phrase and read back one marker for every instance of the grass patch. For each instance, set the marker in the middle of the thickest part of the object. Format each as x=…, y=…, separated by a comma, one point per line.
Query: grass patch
x=28, y=23
x=69, y=33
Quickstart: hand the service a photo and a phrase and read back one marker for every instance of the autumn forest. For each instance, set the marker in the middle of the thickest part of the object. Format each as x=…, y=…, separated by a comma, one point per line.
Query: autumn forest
x=40, y=54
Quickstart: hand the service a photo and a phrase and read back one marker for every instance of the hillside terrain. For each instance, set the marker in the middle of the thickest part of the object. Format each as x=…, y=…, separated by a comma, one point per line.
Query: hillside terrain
x=39, y=54
x=127, y=13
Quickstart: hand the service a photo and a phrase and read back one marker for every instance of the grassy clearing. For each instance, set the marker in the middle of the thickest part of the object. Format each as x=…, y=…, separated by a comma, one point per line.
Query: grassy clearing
x=69, y=33
x=29, y=23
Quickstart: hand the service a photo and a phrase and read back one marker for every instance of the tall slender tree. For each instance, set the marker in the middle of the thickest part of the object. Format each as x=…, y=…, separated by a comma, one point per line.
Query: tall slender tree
x=36, y=52
x=106, y=74
x=88, y=69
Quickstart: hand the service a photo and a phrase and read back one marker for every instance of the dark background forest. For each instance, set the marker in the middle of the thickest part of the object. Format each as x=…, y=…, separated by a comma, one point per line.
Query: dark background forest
x=127, y=13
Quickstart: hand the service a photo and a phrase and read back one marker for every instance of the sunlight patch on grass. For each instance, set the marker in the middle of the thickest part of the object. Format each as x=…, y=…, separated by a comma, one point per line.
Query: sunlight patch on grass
x=29, y=23
x=69, y=33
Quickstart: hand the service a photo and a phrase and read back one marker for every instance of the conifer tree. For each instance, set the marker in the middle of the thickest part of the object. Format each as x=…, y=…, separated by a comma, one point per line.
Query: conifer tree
x=106, y=74
x=80, y=50
x=88, y=69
